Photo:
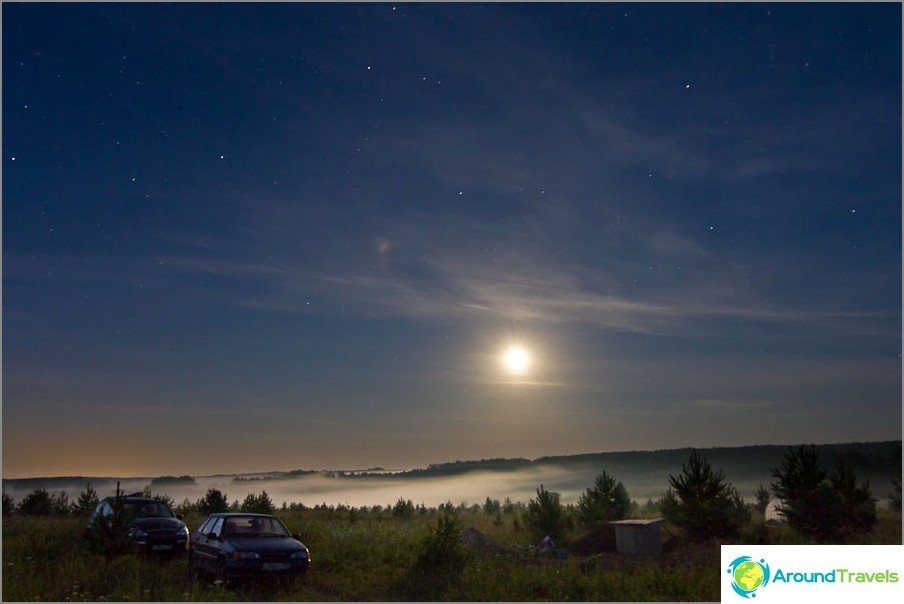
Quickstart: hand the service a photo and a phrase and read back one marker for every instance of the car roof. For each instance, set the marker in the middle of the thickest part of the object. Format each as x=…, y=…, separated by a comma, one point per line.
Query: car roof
x=240, y=515
x=133, y=498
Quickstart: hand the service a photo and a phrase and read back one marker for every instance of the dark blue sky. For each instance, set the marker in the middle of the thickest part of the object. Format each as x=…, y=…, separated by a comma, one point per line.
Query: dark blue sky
x=246, y=237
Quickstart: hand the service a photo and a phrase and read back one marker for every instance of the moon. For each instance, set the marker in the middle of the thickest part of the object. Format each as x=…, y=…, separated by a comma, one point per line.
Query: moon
x=516, y=359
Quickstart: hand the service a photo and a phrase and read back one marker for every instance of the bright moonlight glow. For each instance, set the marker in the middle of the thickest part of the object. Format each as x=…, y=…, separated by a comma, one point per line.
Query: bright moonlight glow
x=516, y=359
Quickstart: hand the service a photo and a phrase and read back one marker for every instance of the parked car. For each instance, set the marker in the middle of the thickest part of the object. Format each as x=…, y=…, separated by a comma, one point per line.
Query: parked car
x=152, y=526
x=235, y=546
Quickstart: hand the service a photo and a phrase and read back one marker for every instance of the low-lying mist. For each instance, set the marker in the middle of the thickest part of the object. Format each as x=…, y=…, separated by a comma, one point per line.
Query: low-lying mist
x=325, y=488
x=318, y=488
x=644, y=474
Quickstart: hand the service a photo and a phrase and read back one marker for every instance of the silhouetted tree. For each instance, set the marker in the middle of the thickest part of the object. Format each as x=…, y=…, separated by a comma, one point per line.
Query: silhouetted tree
x=185, y=507
x=440, y=551
x=895, y=496
x=606, y=500
x=820, y=506
x=545, y=515
x=87, y=501
x=508, y=507
x=762, y=499
x=166, y=500
x=492, y=507
x=403, y=509
x=110, y=534
x=213, y=502
x=858, y=508
x=258, y=504
x=808, y=503
x=702, y=502
x=37, y=503
x=9, y=506
x=60, y=504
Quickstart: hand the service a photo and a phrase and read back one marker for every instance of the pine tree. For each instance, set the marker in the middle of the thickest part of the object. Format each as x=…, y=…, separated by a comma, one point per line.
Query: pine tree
x=213, y=502
x=606, y=500
x=87, y=501
x=702, y=502
x=858, y=508
x=808, y=503
x=545, y=515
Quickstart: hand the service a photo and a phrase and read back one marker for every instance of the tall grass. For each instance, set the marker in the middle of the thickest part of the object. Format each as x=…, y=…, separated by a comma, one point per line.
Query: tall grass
x=370, y=556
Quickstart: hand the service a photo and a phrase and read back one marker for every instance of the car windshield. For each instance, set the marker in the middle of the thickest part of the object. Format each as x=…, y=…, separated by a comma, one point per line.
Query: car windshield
x=146, y=509
x=254, y=526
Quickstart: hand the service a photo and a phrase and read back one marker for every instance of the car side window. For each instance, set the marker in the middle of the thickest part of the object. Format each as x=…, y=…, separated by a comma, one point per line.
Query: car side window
x=106, y=509
x=217, y=528
x=204, y=526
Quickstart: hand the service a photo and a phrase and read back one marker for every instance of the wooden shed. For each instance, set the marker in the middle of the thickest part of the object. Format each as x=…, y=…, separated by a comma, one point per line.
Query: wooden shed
x=638, y=537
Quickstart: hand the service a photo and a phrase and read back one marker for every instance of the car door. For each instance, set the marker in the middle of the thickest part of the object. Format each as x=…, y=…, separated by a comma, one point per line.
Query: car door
x=208, y=549
x=195, y=558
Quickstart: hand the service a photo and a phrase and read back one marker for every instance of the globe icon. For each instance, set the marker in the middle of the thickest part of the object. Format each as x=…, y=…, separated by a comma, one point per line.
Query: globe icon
x=748, y=575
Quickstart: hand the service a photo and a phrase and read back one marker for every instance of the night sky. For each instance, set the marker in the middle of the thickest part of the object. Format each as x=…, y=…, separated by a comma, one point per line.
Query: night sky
x=268, y=237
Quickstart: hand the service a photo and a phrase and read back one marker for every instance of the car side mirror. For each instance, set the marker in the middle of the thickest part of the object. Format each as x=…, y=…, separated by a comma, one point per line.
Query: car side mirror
x=179, y=517
x=296, y=536
x=213, y=536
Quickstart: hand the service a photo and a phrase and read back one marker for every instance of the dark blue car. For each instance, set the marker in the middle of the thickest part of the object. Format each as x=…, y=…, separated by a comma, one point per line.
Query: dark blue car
x=153, y=528
x=237, y=546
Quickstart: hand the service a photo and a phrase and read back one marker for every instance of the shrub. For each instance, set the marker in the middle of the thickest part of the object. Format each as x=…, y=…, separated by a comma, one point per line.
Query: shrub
x=606, y=500
x=701, y=502
x=545, y=515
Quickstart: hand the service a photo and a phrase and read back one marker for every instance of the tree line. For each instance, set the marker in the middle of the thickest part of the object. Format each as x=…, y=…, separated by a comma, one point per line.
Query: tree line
x=818, y=503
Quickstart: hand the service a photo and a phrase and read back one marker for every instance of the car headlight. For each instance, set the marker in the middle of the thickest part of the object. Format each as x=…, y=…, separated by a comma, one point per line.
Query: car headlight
x=302, y=555
x=246, y=555
x=182, y=532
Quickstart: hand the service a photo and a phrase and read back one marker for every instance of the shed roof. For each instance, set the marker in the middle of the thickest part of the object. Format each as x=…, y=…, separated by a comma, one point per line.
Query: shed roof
x=638, y=522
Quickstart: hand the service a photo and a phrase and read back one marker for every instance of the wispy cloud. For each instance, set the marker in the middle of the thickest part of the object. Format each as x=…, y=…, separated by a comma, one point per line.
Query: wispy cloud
x=731, y=405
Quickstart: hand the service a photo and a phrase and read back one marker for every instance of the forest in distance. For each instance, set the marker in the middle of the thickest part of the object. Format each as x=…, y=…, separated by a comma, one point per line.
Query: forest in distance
x=645, y=475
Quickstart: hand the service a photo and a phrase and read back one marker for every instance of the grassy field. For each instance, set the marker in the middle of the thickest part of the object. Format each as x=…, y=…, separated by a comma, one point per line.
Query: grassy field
x=372, y=556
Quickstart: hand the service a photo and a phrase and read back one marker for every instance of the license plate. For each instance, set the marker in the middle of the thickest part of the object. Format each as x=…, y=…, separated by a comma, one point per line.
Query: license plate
x=161, y=548
x=276, y=566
